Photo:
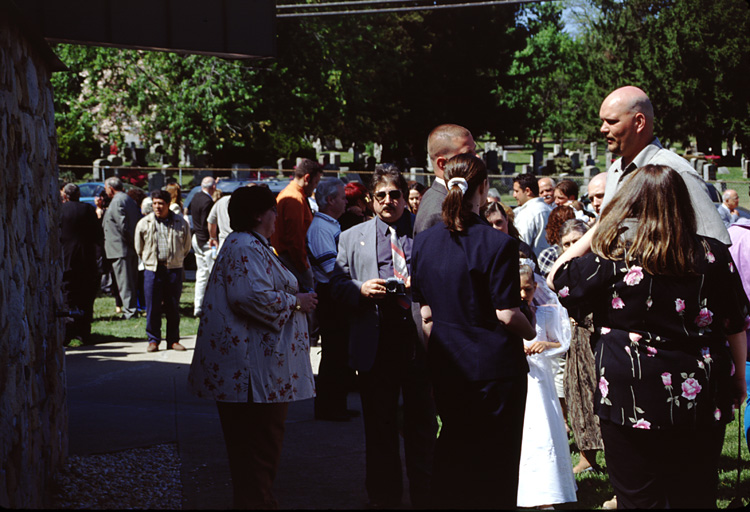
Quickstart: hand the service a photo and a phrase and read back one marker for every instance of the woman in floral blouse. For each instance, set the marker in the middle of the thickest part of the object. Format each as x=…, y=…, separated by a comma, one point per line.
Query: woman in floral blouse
x=252, y=350
x=669, y=316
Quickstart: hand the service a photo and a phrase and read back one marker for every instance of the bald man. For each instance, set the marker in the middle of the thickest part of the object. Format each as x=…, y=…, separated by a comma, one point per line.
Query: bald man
x=628, y=126
x=728, y=209
x=443, y=143
x=595, y=191
x=547, y=191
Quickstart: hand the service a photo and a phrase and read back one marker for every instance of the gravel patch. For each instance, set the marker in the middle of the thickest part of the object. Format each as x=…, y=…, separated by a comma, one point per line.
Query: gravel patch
x=141, y=478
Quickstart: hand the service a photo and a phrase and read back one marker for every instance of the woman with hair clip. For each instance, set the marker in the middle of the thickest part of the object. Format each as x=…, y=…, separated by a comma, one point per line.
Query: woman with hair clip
x=669, y=318
x=465, y=277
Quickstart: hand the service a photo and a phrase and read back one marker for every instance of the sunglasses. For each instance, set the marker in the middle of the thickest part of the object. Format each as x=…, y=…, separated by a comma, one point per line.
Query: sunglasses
x=393, y=194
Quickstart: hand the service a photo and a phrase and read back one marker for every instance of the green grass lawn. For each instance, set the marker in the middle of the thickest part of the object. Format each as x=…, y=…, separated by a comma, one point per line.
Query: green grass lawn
x=593, y=488
x=107, y=327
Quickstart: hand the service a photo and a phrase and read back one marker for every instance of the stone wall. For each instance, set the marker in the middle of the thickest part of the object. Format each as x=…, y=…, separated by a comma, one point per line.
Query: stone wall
x=33, y=410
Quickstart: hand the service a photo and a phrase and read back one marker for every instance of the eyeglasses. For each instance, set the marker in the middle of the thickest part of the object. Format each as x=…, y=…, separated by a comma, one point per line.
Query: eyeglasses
x=395, y=195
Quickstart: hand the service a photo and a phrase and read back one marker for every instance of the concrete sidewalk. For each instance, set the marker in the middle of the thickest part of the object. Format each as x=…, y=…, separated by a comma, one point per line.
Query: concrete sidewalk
x=121, y=397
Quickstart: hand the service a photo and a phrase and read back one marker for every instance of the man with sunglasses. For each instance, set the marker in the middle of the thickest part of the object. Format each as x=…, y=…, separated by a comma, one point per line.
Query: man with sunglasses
x=372, y=281
x=443, y=143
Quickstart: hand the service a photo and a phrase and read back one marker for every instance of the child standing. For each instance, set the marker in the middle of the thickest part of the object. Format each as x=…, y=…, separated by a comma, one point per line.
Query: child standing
x=546, y=475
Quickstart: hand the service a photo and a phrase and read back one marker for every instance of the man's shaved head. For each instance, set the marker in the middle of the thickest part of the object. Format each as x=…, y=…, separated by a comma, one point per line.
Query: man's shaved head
x=447, y=141
x=595, y=191
x=627, y=121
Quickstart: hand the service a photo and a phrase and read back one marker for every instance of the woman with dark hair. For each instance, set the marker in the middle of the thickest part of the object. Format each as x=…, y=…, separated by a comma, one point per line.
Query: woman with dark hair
x=466, y=278
x=500, y=217
x=669, y=318
x=252, y=350
x=416, y=191
x=556, y=219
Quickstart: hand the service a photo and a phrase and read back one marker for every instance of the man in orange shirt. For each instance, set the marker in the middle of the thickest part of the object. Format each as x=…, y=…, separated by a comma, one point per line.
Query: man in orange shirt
x=293, y=218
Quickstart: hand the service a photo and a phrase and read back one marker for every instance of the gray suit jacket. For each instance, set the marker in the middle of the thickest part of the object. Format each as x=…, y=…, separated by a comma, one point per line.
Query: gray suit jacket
x=356, y=263
x=430, y=210
x=119, y=223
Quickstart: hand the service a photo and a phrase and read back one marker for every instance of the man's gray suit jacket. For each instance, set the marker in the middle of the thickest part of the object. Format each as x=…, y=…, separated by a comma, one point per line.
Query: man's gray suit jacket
x=430, y=210
x=119, y=226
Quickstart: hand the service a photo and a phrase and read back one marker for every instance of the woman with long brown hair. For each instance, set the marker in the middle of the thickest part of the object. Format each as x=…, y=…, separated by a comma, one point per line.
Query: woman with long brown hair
x=465, y=276
x=669, y=317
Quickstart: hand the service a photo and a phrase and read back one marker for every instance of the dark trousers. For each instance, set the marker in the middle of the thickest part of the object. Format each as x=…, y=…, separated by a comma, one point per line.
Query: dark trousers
x=391, y=375
x=79, y=292
x=253, y=434
x=334, y=373
x=671, y=468
x=478, y=453
x=163, y=289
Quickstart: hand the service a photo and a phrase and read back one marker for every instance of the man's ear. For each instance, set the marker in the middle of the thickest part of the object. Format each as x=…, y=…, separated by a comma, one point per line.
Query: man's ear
x=639, y=120
x=440, y=162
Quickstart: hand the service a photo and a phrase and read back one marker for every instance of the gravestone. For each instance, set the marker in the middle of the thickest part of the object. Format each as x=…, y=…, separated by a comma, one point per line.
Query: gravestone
x=722, y=170
x=98, y=170
x=505, y=155
x=709, y=172
x=699, y=163
x=370, y=163
x=590, y=160
x=490, y=160
x=334, y=159
x=338, y=146
x=283, y=163
x=322, y=159
x=594, y=150
x=156, y=180
x=114, y=160
x=746, y=169
x=239, y=172
x=575, y=160
x=589, y=171
x=317, y=146
x=509, y=168
x=607, y=159
x=556, y=149
x=527, y=168
x=377, y=151
x=536, y=159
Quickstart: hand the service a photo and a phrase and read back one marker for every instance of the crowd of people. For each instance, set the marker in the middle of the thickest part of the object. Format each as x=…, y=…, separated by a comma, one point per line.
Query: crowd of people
x=618, y=316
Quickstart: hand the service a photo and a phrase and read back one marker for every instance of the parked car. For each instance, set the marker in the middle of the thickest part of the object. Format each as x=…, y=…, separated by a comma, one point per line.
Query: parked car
x=93, y=188
x=227, y=186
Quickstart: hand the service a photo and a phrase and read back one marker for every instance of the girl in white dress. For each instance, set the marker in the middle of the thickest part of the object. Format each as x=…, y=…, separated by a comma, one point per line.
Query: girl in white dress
x=546, y=474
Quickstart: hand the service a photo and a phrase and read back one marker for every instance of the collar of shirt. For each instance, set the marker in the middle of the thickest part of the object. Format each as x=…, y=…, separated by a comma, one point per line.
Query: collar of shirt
x=261, y=238
x=326, y=218
x=402, y=225
x=441, y=181
x=167, y=220
x=642, y=158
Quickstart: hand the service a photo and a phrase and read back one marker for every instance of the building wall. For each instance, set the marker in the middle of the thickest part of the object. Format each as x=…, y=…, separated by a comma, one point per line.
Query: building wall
x=33, y=410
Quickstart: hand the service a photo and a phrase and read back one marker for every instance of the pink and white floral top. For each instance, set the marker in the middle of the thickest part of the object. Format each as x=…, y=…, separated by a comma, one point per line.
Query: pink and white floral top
x=661, y=352
x=250, y=336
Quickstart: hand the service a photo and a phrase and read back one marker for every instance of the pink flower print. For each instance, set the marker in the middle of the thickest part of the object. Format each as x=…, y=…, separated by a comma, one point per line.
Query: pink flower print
x=666, y=379
x=710, y=257
x=704, y=318
x=651, y=351
x=706, y=353
x=641, y=423
x=701, y=365
x=605, y=330
x=617, y=303
x=564, y=292
x=731, y=267
x=635, y=337
x=627, y=349
x=690, y=388
x=717, y=414
x=634, y=276
x=679, y=305
x=649, y=303
x=603, y=386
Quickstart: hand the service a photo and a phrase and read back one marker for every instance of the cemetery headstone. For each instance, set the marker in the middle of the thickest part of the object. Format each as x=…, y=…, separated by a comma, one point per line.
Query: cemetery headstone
x=370, y=163
x=709, y=172
x=377, y=151
x=156, y=180
x=338, y=145
x=746, y=169
x=590, y=160
x=335, y=159
x=490, y=160
x=527, y=168
x=536, y=159
x=575, y=160
x=322, y=159
x=241, y=172
x=594, y=150
x=509, y=168
x=557, y=149
x=722, y=170
x=607, y=159
x=589, y=171
x=98, y=171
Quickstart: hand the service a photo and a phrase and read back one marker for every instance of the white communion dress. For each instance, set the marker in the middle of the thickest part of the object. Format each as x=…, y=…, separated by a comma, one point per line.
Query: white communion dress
x=546, y=471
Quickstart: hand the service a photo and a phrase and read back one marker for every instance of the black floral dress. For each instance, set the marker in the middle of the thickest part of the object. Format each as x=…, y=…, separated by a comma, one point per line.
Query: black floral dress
x=662, y=359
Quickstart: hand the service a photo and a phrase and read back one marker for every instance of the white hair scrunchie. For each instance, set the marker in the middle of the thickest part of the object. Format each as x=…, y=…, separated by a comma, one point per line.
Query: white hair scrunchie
x=461, y=182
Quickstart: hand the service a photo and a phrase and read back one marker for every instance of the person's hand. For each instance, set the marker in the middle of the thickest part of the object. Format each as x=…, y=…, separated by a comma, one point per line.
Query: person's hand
x=212, y=242
x=535, y=348
x=307, y=301
x=373, y=289
x=407, y=284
